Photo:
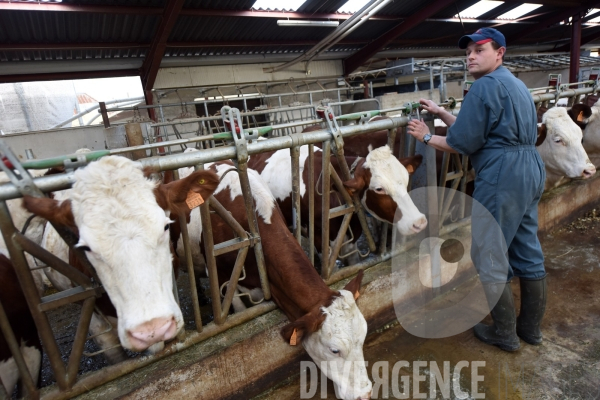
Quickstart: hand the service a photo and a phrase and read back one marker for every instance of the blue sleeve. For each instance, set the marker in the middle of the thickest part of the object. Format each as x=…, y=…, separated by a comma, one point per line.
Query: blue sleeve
x=473, y=123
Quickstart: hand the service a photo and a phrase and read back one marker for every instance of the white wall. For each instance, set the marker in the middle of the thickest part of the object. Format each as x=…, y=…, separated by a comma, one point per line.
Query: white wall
x=243, y=73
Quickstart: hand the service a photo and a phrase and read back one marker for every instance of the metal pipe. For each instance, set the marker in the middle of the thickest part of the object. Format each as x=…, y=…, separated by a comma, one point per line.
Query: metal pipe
x=355, y=18
x=325, y=189
x=89, y=110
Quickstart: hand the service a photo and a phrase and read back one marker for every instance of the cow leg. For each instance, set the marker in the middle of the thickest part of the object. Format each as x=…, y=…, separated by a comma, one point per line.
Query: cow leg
x=108, y=340
x=9, y=375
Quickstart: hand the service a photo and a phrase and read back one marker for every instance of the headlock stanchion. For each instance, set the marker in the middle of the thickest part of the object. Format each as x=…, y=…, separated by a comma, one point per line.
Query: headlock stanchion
x=245, y=143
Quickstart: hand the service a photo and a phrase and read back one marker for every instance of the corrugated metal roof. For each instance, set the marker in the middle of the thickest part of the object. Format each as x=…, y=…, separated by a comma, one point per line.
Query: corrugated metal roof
x=80, y=37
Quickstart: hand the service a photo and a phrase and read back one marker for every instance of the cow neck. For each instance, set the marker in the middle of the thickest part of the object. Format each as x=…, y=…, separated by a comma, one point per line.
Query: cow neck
x=296, y=286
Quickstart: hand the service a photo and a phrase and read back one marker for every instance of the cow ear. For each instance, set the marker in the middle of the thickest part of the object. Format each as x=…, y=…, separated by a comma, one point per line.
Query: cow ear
x=412, y=163
x=295, y=332
x=57, y=212
x=354, y=285
x=541, y=136
x=180, y=196
x=355, y=184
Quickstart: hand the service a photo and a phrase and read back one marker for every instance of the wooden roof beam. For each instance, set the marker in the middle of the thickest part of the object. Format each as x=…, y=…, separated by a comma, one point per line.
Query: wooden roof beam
x=151, y=64
x=357, y=59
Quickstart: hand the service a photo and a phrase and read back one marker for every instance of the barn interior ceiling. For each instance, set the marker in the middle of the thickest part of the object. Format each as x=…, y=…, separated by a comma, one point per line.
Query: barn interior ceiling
x=71, y=39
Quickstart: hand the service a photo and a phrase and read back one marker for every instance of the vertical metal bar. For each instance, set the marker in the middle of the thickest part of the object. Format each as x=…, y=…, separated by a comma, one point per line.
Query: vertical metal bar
x=253, y=226
x=104, y=114
x=15, y=349
x=432, y=208
x=80, y=338
x=442, y=183
x=295, y=154
x=311, y=202
x=211, y=265
x=463, y=184
x=233, y=281
x=33, y=298
x=190, y=269
x=325, y=188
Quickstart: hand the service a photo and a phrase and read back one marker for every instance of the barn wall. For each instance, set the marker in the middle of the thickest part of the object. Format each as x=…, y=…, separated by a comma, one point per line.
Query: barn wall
x=243, y=73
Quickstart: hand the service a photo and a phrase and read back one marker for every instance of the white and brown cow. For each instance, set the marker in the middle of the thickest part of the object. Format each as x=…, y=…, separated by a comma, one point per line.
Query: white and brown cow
x=559, y=145
x=121, y=219
x=20, y=319
x=380, y=180
x=327, y=322
x=588, y=118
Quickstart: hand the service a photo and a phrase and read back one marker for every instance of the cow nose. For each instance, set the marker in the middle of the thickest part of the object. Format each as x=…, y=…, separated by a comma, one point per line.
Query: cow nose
x=366, y=396
x=589, y=172
x=148, y=333
x=420, y=224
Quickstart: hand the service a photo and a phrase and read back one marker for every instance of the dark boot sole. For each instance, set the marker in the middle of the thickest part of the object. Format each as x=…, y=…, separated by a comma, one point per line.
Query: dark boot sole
x=530, y=340
x=500, y=342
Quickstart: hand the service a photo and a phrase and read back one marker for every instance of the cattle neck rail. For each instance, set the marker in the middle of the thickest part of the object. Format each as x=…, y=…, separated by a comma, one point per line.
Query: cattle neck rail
x=68, y=383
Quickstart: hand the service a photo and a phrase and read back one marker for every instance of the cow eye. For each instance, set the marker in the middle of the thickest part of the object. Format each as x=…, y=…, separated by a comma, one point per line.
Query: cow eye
x=557, y=140
x=335, y=351
x=85, y=248
x=166, y=227
x=380, y=190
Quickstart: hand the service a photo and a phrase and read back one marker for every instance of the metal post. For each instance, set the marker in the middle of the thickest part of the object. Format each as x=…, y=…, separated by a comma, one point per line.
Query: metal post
x=575, y=48
x=325, y=189
x=295, y=154
x=104, y=114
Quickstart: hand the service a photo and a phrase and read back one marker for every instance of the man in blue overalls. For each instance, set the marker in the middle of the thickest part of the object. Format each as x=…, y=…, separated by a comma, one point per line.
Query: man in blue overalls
x=497, y=128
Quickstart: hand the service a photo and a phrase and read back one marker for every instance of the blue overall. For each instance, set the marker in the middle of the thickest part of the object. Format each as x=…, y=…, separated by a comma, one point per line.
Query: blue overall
x=497, y=128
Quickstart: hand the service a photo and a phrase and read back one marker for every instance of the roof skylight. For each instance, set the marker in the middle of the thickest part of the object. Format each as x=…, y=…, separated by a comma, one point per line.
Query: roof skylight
x=523, y=9
x=287, y=5
x=594, y=11
x=478, y=9
x=352, y=6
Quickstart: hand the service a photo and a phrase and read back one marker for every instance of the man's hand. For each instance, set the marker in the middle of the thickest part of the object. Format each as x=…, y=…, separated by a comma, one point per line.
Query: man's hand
x=417, y=129
x=430, y=106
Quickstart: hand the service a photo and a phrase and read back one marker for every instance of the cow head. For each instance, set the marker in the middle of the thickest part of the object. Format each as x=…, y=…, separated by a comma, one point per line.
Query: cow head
x=561, y=147
x=333, y=335
x=381, y=181
x=591, y=135
x=121, y=219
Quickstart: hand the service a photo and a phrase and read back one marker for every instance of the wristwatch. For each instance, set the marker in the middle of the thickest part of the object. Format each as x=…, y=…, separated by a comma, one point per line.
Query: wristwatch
x=426, y=138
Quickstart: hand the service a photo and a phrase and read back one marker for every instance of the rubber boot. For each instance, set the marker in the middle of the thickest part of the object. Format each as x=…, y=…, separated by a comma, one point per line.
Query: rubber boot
x=533, y=306
x=503, y=332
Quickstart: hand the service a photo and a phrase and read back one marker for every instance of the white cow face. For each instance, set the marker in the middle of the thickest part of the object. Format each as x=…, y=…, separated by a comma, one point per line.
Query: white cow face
x=382, y=181
x=121, y=219
x=333, y=336
x=562, y=150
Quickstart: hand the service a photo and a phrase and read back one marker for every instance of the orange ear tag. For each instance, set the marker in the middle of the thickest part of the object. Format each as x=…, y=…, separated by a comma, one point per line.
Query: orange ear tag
x=193, y=200
x=293, y=338
x=356, y=295
x=580, y=117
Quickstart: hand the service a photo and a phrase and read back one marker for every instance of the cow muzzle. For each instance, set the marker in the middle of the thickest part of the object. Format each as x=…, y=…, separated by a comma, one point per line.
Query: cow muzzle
x=151, y=332
x=589, y=171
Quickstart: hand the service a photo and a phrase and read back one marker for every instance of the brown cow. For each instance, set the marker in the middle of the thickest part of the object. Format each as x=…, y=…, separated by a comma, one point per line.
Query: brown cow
x=327, y=322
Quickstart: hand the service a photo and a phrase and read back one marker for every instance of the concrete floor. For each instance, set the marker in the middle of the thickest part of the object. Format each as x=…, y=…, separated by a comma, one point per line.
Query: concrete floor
x=566, y=366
